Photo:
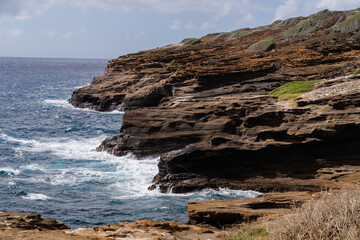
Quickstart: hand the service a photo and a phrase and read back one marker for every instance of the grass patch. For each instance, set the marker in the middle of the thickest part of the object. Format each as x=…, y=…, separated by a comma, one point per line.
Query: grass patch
x=350, y=25
x=294, y=89
x=357, y=71
x=211, y=35
x=308, y=25
x=172, y=63
x=263, y=45
x=155, y=75
x=240, y=34
x=229, y=35
x=191, y=41
x=250, y=232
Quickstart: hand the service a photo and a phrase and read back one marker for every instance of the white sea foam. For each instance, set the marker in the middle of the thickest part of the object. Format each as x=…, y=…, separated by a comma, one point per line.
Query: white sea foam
x=65, y=104
x=58, y=102
x=125, y=177
x=9, y=171
x=65, y=148
x=36, y=196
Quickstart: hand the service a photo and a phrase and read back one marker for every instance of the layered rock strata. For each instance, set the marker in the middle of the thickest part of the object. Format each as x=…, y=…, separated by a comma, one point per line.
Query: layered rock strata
x=27, y=226
x=205, y=106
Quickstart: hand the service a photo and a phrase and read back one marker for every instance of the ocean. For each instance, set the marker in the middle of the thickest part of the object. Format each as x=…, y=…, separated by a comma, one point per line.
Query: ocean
x=47, y=160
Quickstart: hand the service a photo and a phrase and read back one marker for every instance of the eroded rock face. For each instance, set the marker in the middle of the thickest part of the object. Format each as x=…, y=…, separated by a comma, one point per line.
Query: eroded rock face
x=220, y=213
x=28, y=221
x=142, y=229
x=205, y=107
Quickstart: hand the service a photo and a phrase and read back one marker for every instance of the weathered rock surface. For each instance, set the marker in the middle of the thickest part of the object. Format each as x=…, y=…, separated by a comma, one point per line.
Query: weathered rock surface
x=145, y=229
x=222, y=212
x=28, y=221
x=205, y=106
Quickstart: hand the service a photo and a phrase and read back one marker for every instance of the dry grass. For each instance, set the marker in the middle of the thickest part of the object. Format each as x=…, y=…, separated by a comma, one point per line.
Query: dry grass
x=334, y=216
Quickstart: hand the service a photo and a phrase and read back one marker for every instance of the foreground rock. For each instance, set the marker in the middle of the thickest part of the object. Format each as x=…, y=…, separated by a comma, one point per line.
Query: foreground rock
x=205, y=106
x=220, y=213
x=28, y=221
x=146, y=229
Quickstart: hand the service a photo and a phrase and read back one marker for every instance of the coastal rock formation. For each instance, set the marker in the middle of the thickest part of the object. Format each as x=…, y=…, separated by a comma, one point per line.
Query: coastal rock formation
x=205, y=105
x=27, y=226
x=28, y=221
x=231, y=211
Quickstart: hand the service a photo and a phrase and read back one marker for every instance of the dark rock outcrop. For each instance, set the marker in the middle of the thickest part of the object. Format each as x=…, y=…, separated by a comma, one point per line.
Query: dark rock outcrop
x=206, y=106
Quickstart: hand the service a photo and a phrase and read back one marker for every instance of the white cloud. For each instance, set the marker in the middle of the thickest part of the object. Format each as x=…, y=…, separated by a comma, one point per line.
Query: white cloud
x=68, y=34
x=13, y=33
x=189, y=26
x=25, y=9
x=175, y=25
x=339, y=5
x=288, y=8
x=51, y=33
x=294, y=8
x=83, y=30
x=209, y=24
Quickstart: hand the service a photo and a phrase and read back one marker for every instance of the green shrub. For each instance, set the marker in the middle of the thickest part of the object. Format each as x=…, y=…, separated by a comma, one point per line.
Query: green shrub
x=263, y=45
x=350, y=25
x=357, y=71
x=293, y=89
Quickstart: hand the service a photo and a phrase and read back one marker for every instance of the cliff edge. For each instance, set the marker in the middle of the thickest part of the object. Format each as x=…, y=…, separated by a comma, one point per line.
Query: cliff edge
x=269, y=108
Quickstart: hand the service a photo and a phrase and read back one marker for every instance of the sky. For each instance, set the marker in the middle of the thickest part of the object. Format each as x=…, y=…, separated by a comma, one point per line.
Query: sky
x=107, y=29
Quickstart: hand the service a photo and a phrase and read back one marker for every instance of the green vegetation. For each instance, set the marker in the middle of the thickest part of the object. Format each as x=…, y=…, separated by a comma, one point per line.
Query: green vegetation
x=357, y=71
x=263, y=45
x=172, y=63
x=239, y=34
x=308, y=25
x=211, y=35
x=350, y=25
x=191, y=41
x=290, y=21
x=155, y=75
x=229, y=35
x=223, y=35
x=249, y=233
x=293, y=89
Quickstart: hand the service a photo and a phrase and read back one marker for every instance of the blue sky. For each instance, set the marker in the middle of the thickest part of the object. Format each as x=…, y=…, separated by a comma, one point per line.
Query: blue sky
x=110, y=28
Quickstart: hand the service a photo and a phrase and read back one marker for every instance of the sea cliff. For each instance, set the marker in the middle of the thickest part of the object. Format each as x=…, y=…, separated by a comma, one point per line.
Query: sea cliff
x=267, y=108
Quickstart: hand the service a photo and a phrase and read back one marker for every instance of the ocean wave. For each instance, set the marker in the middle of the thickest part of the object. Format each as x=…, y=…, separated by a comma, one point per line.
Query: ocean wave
x=65, y=148
x=204, y=194
x=65, y=104
x=9, y=172
x=35, y=196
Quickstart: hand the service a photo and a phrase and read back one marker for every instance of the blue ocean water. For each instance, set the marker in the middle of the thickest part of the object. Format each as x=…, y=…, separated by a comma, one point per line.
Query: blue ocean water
x=47, y=162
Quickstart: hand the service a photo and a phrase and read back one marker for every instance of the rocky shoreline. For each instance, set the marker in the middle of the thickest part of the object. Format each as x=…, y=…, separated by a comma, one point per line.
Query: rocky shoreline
x=274, y=109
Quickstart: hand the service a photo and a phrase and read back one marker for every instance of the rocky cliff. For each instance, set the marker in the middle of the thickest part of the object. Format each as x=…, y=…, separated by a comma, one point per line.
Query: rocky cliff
x=267, y=108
